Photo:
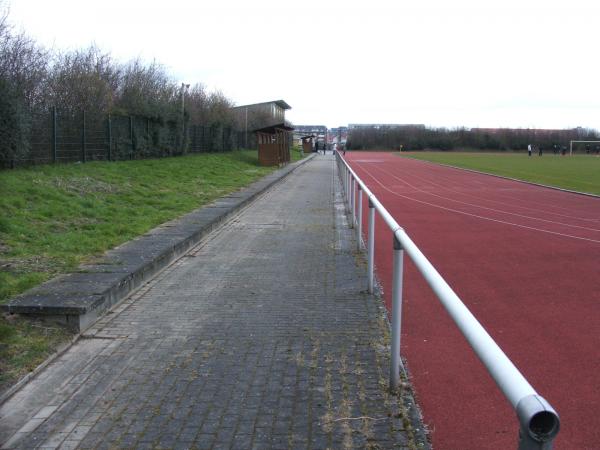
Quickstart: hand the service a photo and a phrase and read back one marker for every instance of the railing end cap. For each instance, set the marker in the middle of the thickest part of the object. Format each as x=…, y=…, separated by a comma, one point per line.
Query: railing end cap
x=538, y=418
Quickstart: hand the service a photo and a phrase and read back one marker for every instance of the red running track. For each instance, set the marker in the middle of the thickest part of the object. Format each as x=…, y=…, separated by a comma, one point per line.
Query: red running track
x=526, y=262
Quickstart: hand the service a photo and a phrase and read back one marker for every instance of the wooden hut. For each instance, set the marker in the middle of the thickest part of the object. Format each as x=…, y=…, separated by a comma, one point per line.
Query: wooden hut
x=274, y=144
x=307, y=143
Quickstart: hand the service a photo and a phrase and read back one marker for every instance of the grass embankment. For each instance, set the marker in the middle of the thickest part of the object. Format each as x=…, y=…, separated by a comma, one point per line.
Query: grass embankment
x=53, y=218
x=578, y=173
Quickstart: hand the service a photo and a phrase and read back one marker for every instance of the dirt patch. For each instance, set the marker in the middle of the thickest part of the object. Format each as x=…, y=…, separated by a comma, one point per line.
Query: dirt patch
x=80, y=185
x=25, y=265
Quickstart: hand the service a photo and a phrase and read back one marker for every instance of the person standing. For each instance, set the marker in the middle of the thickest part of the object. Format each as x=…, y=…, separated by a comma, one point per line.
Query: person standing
x=540, y=150
x=529, y=149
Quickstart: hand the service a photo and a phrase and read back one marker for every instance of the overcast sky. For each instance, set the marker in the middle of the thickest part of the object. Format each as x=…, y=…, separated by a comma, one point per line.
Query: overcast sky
x=474, y=63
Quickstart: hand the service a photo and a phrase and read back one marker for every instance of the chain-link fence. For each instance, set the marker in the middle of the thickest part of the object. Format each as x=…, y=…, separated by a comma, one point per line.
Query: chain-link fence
x=57, y=136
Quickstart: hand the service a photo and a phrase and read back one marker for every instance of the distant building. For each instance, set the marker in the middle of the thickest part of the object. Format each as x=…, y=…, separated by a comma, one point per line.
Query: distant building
x=260, y=115
x=377, y=126
x=338, y=135
x=318, y=132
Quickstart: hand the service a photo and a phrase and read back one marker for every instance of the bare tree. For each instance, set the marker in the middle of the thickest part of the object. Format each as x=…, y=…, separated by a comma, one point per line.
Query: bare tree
x=219, y=110
x=85, y=79
x=148, y=90
x=23, y=63
x=197, y=104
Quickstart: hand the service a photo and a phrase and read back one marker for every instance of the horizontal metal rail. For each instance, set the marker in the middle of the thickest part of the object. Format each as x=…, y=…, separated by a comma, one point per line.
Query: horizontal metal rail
x=539, y=422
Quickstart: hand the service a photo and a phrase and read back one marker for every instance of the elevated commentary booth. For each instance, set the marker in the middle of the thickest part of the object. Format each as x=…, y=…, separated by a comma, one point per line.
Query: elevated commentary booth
x=266, y=121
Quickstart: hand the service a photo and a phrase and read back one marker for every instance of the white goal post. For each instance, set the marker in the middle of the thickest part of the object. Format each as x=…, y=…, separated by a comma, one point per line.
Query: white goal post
x=583, y=142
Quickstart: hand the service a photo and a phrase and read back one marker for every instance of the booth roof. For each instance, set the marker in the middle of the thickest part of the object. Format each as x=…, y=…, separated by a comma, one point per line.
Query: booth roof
x=271, y=129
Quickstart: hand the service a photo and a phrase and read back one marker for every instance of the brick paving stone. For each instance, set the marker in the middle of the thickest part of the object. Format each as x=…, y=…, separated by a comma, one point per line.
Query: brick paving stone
x=261, y=337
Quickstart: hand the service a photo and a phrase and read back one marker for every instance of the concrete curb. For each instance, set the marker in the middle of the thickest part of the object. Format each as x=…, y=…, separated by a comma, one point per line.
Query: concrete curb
x=587, y=194
x=78, y=299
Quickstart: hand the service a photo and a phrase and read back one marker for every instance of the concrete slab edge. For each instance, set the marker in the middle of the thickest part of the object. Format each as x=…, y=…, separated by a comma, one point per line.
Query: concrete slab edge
x=420, y=431
x=406, y=394
x=114, y=293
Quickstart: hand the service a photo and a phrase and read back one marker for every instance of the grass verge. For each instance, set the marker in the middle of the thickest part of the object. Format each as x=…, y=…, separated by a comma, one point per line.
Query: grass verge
x=24, y=344
x=578, y=173
x=55, y=217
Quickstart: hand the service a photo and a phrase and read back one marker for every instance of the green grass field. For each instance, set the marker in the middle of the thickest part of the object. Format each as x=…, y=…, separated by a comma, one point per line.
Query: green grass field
x=578, y=173
x=54, y=217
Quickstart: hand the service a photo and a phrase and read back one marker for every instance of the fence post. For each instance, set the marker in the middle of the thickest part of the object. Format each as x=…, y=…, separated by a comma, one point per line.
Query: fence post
x=359, y=219
x=396, y=314
x=83, y=137
x=109, y=155
x=371, y=246
x=131, y=137
x=147, y=135
x=54, y=135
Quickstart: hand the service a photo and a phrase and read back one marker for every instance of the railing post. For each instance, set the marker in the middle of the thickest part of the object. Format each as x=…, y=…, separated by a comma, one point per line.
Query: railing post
x=371, y=246
x=351, y=201
x=396, y=314
x=347, y=189
x=359, y=220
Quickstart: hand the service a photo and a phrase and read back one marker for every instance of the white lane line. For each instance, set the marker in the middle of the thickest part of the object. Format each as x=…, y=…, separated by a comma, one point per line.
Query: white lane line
x=485, y=207
x=501, y=177
x=433, y=183
x=475, y=215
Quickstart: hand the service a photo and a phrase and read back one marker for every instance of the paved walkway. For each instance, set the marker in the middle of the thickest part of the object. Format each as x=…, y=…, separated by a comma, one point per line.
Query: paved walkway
x=260, y=337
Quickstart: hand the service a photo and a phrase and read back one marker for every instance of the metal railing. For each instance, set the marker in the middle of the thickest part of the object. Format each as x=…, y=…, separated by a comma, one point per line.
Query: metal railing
x=539, y=422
